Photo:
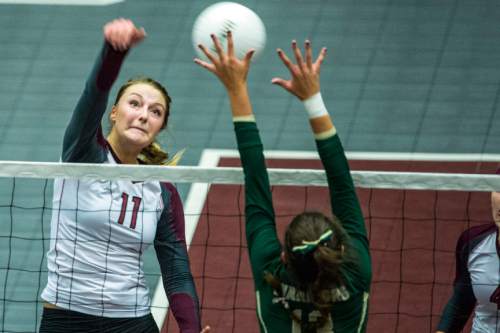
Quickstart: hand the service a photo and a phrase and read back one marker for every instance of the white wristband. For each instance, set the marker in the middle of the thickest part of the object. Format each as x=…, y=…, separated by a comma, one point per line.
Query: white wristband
x=315, y=107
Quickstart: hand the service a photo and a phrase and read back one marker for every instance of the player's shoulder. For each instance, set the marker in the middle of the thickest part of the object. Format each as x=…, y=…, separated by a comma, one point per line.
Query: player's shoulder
x=169, y=194
x=169, y=187
x=474, y=235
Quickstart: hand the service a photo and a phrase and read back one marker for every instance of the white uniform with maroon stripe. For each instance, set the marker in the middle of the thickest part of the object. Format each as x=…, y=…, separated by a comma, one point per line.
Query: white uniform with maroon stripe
x=99, y=230
x=484, y=270
x=476, y=286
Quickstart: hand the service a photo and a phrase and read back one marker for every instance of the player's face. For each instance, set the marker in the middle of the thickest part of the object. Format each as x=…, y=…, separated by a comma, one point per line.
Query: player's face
x=139, y=115
x=495, y=207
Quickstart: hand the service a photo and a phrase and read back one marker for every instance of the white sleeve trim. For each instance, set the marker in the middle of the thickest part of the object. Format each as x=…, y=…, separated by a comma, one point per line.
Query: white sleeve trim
x=248, y=119
x=325, y=135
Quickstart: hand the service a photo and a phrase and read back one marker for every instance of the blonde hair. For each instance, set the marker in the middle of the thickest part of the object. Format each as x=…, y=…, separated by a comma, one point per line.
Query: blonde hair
x=155, y=155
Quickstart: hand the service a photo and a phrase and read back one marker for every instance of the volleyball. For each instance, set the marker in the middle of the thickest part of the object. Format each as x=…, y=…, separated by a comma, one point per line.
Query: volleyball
x=247, y=28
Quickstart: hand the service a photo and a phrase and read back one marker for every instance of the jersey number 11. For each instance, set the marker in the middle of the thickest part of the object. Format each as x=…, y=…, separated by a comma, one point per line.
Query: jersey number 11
x=135, y=209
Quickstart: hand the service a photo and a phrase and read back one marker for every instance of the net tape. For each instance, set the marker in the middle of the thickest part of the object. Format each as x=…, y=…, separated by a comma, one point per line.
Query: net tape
x=227, y=175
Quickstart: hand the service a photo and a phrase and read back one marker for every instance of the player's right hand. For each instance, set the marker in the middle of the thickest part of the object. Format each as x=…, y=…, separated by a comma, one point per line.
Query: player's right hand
x=122, y=34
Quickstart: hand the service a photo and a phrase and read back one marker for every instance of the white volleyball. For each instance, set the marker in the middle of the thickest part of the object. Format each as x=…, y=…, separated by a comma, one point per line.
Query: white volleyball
x=247, y=28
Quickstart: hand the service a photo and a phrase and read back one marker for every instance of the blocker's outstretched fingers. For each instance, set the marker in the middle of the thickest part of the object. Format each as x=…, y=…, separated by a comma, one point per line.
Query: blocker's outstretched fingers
x=298, y=55
x=308, y=49
x=208, y=54
x=230, y=44
x=248, y=57
x=218, y=47
x=284, y=58
x=320, y=58
x=281, y=82
x=204, y=64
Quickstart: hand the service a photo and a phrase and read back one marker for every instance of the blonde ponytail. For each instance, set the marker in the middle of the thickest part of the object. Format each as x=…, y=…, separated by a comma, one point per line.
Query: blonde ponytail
x=155, y=155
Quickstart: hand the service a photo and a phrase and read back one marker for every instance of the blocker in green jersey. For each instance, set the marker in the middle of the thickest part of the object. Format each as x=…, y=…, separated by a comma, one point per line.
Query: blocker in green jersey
x=319, y=280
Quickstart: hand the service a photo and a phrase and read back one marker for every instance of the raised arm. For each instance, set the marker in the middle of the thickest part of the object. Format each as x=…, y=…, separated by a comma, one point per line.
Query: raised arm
x=263, y=243
x=304, y=83
x=83, y=136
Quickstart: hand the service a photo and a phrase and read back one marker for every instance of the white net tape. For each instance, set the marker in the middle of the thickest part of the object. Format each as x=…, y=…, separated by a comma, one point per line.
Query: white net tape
x=225, y=175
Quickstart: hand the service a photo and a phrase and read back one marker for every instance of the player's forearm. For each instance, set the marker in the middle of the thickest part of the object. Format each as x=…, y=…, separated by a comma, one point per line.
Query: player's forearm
x=257, y=188
x=457, y=310
x=186, y=312
x=319, y=119
x=91, y=106
x=344, y=201
x=180, y=289
x=322, y=126
x=107, y=71
x=240, y=101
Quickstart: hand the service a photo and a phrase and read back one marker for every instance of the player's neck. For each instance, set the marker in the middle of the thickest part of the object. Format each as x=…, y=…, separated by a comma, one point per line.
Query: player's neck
x=125, y=153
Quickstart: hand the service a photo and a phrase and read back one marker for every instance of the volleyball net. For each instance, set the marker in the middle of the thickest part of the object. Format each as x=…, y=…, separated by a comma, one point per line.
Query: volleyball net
x=414, y=210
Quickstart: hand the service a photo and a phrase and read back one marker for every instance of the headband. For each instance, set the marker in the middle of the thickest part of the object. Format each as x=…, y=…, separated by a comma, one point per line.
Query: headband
x=309, y=246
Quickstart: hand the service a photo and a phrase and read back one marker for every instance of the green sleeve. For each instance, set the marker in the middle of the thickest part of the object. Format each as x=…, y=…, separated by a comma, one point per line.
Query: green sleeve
x=262, y=240
x=345, y=206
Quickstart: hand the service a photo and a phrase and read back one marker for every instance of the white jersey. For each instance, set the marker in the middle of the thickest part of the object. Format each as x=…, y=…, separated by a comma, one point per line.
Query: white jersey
x=99, y=230
x=476, y=288
x=484, y=270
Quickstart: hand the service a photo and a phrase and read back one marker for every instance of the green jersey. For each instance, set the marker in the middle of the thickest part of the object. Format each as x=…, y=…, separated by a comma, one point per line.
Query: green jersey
x=350, y=301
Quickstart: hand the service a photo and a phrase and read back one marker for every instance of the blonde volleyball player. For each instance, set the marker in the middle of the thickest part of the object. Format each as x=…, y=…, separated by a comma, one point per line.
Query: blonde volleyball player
x=319, y=280
x=477, y=278
x=100, y=229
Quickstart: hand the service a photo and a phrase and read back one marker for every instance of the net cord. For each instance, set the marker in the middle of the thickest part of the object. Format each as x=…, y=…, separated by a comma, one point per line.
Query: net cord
x=226, y=175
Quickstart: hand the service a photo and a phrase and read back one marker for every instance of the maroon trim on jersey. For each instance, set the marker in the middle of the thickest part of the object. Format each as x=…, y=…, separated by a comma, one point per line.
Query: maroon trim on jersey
x=135, y=210
x=101, y=140
x=110, y=67
x=184, y=309
x=123, y=209
x=496, y=243
x=176, y=211
x=466, y=243
x=115, y=157
x=56, y=271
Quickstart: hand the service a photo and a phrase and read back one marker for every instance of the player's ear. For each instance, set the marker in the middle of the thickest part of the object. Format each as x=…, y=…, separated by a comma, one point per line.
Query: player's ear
x=112, y=115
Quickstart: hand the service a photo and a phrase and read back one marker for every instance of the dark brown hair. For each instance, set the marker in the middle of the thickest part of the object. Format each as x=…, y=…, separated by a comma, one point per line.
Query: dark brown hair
x=316, y=270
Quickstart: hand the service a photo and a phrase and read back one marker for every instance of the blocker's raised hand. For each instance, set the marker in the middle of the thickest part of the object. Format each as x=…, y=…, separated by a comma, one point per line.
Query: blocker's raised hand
x=230, y=70
x=304, y=82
